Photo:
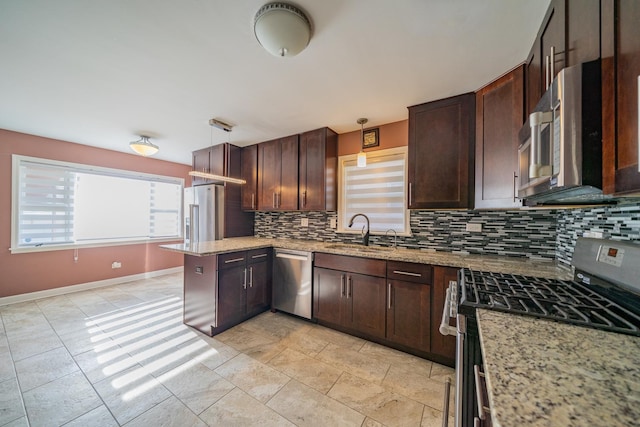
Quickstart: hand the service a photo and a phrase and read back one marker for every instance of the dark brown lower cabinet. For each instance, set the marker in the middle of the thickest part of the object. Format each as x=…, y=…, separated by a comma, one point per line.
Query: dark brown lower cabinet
x=224, y=290
x=408, y=314
x=350, y=300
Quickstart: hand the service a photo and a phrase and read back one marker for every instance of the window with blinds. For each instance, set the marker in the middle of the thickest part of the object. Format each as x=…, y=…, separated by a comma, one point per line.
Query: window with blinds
x=60, y=205
x=377, y=190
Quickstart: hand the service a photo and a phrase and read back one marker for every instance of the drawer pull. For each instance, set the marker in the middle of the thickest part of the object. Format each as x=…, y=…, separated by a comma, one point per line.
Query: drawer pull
x=229, y=261
x=389, y=296
x=258, y=256
x=445, y=406
x=482, y=408
x=407, y=273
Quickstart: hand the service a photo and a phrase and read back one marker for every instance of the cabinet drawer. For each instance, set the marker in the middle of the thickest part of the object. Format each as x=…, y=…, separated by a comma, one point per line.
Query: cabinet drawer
x=258, y=255
x=409, y=272
x=368, y=266
x=232, y=259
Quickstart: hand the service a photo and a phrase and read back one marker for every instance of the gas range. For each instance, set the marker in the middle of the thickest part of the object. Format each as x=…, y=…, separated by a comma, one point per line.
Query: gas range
x=605, y=292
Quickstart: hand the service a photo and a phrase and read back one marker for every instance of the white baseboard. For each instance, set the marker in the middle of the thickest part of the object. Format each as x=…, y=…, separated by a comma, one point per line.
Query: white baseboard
x=86, y=286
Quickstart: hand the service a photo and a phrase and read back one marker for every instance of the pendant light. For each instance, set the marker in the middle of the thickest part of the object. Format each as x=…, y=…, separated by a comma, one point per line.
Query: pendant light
x=214, y=123
x=362, y=156
x=282, y=29
x=143, y=146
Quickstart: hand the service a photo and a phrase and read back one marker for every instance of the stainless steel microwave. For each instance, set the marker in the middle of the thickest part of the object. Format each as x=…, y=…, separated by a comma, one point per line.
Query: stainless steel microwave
x=560, y=151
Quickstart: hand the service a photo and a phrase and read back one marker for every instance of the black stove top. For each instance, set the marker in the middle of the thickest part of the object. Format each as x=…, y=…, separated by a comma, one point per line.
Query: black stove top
x=565, y=301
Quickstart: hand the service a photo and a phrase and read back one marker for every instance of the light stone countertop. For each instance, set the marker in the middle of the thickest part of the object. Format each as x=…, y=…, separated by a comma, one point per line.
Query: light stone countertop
x=542, y=373
x=492, y=263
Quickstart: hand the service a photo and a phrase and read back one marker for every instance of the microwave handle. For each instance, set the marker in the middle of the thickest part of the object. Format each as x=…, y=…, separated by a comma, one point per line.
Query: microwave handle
x=552, y=64
x=547, y=66
x=515, y=184
x=536, y=120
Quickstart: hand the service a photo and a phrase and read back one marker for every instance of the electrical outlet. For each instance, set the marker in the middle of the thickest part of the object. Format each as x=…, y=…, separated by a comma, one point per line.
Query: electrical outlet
x=333, y=223
x=474, y=227
x=304, y=222
x=116, y=264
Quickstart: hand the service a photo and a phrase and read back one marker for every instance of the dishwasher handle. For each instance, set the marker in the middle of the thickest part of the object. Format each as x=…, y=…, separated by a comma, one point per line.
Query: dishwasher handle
x=297, y=255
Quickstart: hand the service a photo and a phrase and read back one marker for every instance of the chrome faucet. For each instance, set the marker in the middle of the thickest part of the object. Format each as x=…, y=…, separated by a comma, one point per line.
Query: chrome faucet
x=395, y=237
x=365, y=236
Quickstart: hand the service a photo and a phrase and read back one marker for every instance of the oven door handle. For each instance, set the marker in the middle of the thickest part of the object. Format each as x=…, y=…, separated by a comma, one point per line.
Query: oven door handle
x=445, y=328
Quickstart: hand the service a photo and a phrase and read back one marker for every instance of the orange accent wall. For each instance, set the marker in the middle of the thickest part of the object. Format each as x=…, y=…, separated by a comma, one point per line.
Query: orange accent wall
x=391, y=135
x=30, y=272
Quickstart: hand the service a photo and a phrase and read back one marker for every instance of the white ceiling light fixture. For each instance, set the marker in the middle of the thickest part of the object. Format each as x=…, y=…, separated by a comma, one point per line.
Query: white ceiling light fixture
x=143, y=146
x=282, y=29
x=215, y=123
x=362, y=156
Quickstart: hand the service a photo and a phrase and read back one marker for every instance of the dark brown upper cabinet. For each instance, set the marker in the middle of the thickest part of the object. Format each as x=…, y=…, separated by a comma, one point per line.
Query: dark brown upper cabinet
x=250, y=174
x=318, y=163
x=213, y=160
x=499, y=117
x=620, y=81
x=441, y=144
x=278, y=174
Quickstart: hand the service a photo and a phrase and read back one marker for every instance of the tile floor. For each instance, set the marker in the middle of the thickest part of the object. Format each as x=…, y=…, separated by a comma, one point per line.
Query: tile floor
x=120, y=355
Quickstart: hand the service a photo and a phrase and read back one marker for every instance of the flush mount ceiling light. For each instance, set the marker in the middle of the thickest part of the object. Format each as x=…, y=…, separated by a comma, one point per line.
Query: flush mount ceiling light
x=362, y=156
x=215, y=123
x=282, y=29
x=143, y=146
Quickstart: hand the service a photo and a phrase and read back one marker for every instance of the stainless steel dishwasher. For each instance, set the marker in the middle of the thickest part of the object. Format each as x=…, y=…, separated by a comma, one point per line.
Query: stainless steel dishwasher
x=292, y=277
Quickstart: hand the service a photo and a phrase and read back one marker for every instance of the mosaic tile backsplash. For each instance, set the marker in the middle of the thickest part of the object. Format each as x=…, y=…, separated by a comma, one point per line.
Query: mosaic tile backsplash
x=536, y=234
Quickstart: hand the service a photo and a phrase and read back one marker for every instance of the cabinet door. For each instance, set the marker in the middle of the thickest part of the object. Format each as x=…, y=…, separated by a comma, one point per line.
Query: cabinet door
x=318, y=166
x=288, y=191
x=441, y=135
x=583, y=35
x=554, y=35
x=444, y=346
x=365, y=304
x=200, y=163
x=218, y=160
x=409, y=314
x=329, y=294
x=231, y=295
x=533, y=76
x=269, y=161
x=499, y=117
x=258, y=286
x=250, y=174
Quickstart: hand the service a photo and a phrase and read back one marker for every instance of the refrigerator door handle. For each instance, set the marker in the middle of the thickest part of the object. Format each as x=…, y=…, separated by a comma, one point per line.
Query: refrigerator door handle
x=194, y=223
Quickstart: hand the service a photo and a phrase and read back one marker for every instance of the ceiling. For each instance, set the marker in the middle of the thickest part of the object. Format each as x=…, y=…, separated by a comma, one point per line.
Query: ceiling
x=100, y=73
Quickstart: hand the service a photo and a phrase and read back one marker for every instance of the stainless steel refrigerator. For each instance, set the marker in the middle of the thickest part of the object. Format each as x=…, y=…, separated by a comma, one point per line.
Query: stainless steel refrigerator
x=203, y=213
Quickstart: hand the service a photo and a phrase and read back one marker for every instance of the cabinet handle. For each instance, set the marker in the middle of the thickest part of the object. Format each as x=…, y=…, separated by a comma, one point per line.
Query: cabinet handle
x=273, y=204
x=445, y=405
x=515, y=177
x=304, y=198
x=407, y=273
x=547, y=67
x=349, y=286
x=253, y=200
x=229, y=261
x=341, y=285
x=244, y=285
x=279, y=199
x=552, y=61
x=251, y=277
x=389, y=296
x=258, y=256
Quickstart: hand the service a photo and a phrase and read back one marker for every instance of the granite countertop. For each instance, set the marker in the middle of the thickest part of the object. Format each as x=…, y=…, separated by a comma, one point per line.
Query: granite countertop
x=544, y=373
x=492, y=263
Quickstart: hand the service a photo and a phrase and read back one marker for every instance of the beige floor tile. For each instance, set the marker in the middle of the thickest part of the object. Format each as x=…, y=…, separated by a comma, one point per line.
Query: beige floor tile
x=417, y=387
x=7, y=370
x=130, y=393
x=169, y=413
x=376, y=401
x=239, y=409
x=32, y=342
x=82, y=340
x=433, y=418
x=276, y=325
x=216, y=354
x=103, y=364
x=354, y=362
x=337, y=338
x=252, y=343
x=11, y=407
x=20, y=422
x=370, y=422
x=196, y=386
x=397, y=358
x=45, y=367
x=255, y=378
x=60, y=401
x=305, y=406
x=99, y=417
x=441, y=373
x=305, y=343
x=305, y=369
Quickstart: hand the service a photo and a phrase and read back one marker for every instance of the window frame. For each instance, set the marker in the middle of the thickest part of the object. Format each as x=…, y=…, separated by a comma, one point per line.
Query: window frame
x=352, y=159
x=16, y=161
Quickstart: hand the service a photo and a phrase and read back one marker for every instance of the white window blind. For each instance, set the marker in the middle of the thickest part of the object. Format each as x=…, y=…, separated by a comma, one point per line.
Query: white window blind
x=377, y=190
x=61, y=205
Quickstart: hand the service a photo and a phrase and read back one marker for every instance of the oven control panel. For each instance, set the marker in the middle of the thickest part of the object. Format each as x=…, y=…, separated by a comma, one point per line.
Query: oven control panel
x=611, y=255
